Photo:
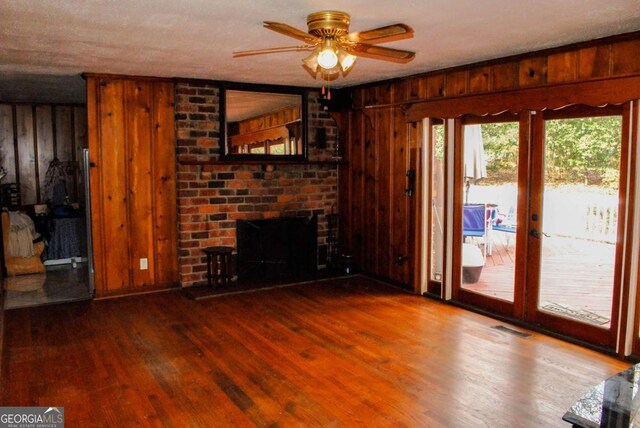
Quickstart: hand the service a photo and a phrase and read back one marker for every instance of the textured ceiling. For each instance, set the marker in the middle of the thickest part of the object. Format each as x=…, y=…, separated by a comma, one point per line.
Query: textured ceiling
x=41, y=41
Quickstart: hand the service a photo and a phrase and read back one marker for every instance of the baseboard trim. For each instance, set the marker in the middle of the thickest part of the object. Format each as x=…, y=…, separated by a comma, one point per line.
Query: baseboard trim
x=124, y=293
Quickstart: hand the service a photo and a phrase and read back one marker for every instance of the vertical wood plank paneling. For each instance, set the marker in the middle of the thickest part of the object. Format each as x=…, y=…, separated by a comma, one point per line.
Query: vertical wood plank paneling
x=26, y=154
x=34, y=142
x=75, y=160
x=399, y=222
x=532, y=72
x=35, y=150
x=456, y=84
x=416, y=88
x=44, y=132
x=64, y=135
x=370, y=233
x=504, y=76
x=133, y=183
x=344, y=181
x=383, y=137
x=479, y=80
x=357, y=180
x=594, y=62
x=7, y=152
x=80, y=143
x=414, y=229
x=65, y=150
x=164, y=179
x=138, y=98
x=95, y=179
x=435, y=86
x=113, y=190
x=562, y=67
x=624, y=56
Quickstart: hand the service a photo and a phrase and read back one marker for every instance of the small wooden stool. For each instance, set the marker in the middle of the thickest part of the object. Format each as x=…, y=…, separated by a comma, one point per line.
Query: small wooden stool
x=218, y=264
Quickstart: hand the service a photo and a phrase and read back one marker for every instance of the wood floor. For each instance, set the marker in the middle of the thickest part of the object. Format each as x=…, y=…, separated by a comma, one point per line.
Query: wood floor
x=348, y=352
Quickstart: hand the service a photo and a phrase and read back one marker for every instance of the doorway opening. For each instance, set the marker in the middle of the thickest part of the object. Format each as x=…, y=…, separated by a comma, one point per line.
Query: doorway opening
x=44, y=198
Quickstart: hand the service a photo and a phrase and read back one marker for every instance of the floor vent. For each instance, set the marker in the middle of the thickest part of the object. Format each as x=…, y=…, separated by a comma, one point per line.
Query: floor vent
x=511, y=331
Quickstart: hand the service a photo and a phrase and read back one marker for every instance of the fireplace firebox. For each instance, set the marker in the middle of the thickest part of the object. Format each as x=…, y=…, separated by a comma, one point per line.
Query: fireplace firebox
x=277, y=249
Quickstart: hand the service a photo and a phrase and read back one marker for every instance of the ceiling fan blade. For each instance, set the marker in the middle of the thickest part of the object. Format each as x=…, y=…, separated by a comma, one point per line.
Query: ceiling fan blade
x=290, y=31
x=379, y=52
x=382, y=34
x=264, y=51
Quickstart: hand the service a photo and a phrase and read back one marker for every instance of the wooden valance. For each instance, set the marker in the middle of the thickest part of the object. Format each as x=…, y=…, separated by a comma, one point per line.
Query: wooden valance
x=269, y=134
x=593, y=93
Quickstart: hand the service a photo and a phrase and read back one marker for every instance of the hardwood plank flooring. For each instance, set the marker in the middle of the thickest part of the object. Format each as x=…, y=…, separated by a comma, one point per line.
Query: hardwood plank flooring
x=341, y=352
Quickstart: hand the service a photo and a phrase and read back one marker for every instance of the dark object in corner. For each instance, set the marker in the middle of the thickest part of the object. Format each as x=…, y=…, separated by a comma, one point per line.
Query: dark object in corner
x=347, y=264
x=218, y=265
x=340, y=100
x=612, y=403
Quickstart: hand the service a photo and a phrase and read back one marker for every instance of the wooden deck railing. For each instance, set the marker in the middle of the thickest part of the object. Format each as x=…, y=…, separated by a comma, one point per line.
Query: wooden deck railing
x=585, y=217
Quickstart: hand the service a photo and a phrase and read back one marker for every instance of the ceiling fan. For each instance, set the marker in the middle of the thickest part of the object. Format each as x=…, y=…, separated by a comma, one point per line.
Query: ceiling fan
x=333, y=49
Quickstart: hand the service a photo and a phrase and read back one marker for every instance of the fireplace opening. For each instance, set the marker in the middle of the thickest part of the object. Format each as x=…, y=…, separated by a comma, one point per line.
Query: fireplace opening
x=277, y=249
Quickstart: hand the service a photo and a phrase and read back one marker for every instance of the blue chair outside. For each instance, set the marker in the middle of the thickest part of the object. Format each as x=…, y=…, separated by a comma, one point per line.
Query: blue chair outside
x=506, y=224
x=475, y=223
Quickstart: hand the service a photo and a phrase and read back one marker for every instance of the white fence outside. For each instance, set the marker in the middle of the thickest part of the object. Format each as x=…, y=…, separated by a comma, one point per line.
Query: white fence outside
x=572, y=211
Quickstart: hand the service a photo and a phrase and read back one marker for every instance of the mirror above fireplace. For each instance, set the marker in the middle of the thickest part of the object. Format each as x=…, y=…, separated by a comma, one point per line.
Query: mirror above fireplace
x=263, y=122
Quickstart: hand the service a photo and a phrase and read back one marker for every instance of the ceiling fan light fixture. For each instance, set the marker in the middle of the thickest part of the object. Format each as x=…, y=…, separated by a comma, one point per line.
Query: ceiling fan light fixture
x=333, y=48
x=327, y=58
x=331, y=71
x=312, y=61
x=345, y=59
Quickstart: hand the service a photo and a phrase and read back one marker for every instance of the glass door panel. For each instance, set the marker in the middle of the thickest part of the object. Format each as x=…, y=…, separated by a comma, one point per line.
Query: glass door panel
x=437, y=203
x=490, y=178
x=580, y=194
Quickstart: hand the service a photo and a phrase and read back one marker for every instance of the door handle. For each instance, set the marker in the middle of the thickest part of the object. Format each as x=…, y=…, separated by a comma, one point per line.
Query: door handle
x=535, y=233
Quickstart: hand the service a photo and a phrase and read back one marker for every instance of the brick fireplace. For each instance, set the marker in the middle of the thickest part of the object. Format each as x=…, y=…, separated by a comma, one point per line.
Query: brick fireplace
x=211, y=197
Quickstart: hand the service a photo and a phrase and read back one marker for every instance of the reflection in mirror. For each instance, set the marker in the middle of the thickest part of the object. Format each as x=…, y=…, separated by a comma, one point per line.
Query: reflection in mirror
x=264, y=123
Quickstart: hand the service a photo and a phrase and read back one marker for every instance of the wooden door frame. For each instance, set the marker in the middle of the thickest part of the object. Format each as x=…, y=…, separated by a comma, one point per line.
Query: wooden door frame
x=513, y=309
x=415, y=202
x=458, y=293
x=630, y=343
x=427, y=285
x=583, y=331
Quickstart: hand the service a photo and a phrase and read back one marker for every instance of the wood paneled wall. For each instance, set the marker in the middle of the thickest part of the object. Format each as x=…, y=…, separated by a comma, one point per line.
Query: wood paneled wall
x=376, y=211
x=379, y=222
x=133, y=200
x=604, y=59
x=31, y=136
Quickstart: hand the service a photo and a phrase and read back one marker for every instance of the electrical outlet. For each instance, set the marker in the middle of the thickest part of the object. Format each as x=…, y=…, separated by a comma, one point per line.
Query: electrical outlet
x=144, y=264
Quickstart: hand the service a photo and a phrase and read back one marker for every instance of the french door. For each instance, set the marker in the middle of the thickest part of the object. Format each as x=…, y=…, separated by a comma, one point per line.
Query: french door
x=576, y=224
x=540, y=233
x=490, y=206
